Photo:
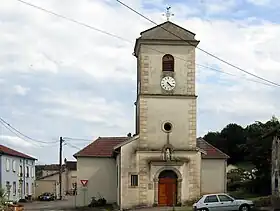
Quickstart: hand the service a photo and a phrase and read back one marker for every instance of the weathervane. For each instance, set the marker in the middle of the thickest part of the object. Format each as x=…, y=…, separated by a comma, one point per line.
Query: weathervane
x=167, y=13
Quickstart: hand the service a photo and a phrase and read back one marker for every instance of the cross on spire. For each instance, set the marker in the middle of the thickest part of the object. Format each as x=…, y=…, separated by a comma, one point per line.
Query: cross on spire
x=167, y=13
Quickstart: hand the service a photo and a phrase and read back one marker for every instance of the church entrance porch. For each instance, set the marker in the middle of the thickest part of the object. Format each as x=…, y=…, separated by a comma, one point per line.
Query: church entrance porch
x=167, y=188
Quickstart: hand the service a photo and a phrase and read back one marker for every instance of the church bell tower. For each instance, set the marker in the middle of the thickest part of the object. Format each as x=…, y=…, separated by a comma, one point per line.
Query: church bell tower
x=166, y=99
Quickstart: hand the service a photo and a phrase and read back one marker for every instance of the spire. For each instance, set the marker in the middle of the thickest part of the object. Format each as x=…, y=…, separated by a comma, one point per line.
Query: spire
x=167, y=13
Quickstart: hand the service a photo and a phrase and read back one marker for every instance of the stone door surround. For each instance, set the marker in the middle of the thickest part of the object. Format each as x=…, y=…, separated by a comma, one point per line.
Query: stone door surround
x=179, y=183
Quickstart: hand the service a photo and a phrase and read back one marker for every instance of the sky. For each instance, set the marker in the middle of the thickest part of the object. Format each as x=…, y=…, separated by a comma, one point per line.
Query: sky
x=59, y=78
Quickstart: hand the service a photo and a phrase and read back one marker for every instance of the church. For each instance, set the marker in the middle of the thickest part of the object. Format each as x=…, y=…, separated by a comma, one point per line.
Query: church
x=164, y=163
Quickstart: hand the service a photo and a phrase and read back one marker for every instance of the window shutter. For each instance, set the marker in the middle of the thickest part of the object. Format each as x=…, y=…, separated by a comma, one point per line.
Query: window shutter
x=7, y=164
x=14, y=166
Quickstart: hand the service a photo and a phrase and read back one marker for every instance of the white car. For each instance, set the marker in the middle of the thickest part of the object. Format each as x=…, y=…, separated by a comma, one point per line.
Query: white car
x=222, y=202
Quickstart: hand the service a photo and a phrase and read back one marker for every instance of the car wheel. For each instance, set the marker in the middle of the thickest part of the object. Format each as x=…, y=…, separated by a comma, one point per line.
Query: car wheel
x=244, y=207
x=203, y=209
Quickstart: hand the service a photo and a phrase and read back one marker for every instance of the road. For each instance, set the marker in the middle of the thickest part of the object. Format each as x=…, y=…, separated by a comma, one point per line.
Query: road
x=50, y=205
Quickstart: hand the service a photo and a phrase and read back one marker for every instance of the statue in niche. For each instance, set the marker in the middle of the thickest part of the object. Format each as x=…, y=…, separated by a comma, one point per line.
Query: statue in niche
x=167, y=154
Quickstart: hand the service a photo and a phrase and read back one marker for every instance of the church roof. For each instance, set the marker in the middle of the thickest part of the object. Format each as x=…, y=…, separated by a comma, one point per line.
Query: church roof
x=104, y=147
x=101, y=147
x=167, y=32
x=211, y=151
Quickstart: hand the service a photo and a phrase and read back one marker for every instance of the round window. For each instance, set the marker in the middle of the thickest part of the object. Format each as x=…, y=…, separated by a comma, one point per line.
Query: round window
x=167, y=127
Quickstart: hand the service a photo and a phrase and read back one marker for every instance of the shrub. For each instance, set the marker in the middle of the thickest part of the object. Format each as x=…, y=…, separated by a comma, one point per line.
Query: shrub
x=264, y=201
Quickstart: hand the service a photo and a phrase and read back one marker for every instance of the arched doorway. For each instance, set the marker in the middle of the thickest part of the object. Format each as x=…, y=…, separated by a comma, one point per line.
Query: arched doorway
x=167, y=188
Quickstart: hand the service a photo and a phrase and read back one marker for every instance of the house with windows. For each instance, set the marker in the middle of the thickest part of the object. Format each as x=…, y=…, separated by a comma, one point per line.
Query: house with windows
x=17, y=173
x=47, y=178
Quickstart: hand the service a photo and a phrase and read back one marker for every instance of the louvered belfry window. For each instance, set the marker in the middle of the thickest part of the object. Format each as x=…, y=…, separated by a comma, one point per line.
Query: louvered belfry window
x=167, y=63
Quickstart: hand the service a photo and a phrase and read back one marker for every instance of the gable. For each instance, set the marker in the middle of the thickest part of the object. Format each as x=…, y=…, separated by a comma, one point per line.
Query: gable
x=167, y=31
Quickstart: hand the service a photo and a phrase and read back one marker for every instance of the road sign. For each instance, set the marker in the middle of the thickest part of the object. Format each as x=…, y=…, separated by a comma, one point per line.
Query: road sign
x=84, y=182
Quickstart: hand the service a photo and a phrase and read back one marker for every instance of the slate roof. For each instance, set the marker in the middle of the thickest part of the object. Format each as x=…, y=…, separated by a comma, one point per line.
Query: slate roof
x=71, y=165
x=104, y=147
x=8, y=151
x=167, y=31
x=49, y=167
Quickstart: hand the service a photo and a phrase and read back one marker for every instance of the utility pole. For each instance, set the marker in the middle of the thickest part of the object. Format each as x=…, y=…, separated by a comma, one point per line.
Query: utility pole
x=60, y=167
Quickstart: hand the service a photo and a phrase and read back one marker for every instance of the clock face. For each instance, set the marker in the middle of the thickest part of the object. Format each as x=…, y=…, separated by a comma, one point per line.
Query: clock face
x=168, y=83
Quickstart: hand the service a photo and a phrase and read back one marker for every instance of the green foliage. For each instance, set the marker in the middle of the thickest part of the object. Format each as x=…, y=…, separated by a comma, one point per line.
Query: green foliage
x=2, y=199
x=264, y=201
x=247, y=145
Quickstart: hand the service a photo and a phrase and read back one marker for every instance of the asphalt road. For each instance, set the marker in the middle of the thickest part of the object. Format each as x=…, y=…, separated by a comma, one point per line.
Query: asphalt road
x=50, y=205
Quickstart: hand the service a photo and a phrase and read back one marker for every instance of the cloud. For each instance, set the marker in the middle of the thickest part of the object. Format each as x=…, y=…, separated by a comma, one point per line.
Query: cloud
x=20, y=90
x=260, y=2
x=14, y=141
x=94, y=110
x=218, y=6
x=74, y=81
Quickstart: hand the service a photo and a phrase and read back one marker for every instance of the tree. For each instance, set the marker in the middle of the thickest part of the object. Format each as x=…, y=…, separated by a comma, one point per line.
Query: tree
x=215, y=139
x=248, y=145
x=2, y=199
x=235, y=138
x=258, y=152
x=230, y=140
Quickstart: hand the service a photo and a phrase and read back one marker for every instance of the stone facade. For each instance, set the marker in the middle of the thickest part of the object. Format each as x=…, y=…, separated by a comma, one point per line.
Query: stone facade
x=192, y=123
x=143, y=123
x=136, y=167
x=156, y=106
x=148, y=167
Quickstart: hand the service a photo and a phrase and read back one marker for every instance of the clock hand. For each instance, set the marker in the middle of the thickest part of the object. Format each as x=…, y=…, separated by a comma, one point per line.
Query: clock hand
x=169, y=84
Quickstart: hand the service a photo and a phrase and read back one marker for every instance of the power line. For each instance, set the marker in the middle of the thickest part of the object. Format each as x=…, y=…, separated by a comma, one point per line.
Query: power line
x=20, y=136
x=72, y=146
x=12, y=131
x=204, y=51
x=77, y=139
x=72, y=20
x=244, y=78
x=126, y=40
x=6, y=124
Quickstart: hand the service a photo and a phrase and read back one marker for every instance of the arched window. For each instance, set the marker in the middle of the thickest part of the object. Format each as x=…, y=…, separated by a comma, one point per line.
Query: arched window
x=167, y=63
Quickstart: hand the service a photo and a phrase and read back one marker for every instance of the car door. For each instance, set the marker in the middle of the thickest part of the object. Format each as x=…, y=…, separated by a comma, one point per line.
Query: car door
x=226, y=202
x=211, y=202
